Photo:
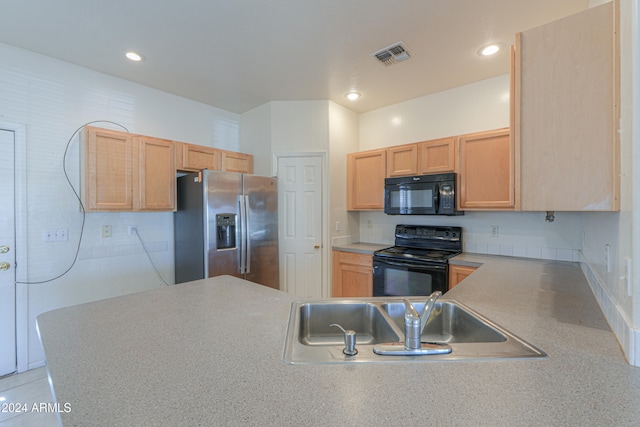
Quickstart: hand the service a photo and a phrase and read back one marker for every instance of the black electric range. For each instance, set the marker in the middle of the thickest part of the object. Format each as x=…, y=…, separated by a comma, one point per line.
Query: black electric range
x=418, y=263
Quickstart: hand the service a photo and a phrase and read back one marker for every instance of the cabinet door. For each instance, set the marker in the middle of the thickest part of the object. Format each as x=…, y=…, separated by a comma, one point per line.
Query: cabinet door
x=352, y=274
x=486, y=173
x=437, y=156
x=237, y=162
x=567, y=75
x=457, y=273
x=366, y=172
x=192, y=158
x=154, y=169
x=402, y=160
x=107, y=184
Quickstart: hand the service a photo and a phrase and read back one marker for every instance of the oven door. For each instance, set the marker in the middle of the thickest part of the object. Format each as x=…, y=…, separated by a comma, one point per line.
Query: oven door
x=407, y=278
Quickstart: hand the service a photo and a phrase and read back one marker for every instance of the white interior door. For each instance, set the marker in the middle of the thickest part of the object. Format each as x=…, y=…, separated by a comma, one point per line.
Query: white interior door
x=7, y=255
x=300, y=183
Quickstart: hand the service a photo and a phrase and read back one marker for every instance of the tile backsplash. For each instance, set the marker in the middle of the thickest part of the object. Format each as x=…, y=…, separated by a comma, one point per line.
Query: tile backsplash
x=556, y=254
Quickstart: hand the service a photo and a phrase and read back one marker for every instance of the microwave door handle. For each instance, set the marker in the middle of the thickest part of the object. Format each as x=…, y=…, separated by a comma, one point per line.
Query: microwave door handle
x=436, y=198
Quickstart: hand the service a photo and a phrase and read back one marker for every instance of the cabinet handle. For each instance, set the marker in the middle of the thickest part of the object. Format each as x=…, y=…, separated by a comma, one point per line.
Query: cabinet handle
x=4, y=266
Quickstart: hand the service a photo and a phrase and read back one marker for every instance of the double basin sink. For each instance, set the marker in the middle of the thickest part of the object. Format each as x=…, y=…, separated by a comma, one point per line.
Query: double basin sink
x=311, y=339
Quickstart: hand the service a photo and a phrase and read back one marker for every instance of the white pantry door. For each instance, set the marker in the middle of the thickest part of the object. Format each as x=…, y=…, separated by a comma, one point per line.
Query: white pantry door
x=7, y=255
x=300, y=184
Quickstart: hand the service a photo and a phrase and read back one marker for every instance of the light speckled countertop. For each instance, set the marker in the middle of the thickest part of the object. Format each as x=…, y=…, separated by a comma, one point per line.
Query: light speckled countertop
x=210, y=353
x=361, y=248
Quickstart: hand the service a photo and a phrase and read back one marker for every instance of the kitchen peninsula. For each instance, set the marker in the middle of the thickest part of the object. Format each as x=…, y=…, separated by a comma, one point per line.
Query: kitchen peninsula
x=210, y=352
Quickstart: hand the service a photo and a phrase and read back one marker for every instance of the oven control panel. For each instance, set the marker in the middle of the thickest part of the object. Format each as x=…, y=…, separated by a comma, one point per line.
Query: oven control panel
x=427, y=236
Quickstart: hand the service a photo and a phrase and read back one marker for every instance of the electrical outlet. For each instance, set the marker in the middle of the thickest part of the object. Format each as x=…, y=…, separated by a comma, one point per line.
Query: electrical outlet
x=59, y=235
x=133, y=230
x=607, y=257
x=495, y=231
x=369, y=224
x=106, y=231
x=338, y=226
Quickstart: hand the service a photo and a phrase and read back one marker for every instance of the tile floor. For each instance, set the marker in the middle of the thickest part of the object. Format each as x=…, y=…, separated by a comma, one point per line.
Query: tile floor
x=26, y=389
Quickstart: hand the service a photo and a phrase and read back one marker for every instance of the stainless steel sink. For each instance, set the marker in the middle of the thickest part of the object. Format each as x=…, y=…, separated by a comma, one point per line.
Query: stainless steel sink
x=365, y=319
x=449, y=323
x=311, y=340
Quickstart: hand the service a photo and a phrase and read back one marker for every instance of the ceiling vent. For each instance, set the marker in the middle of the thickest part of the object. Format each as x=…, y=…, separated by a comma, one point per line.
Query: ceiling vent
x=397, y=52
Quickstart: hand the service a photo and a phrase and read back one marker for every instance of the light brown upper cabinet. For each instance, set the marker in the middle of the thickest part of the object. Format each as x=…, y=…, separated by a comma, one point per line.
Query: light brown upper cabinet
x=236, y=162
x=366, y=171
x=567, y=85
x=486, y=172
x=124, y=172
x=192, y=158
x=437, y=156
x=402, y=160
x=154, y=172
x=107, y=163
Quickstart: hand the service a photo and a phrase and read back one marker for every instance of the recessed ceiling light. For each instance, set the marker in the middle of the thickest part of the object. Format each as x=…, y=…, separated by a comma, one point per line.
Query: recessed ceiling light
x=133, y=56
x=489, y=50
x=353, y=96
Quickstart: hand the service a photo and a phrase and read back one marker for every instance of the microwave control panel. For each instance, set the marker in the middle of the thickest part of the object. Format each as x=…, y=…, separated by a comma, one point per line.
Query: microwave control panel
x=447, y=199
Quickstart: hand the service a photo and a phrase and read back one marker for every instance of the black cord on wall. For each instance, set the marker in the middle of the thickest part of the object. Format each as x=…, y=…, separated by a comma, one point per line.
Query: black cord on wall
x=82, y=209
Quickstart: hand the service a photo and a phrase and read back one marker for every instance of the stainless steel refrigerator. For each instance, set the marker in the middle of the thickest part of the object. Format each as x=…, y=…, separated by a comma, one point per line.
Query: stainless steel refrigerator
x=226, y=223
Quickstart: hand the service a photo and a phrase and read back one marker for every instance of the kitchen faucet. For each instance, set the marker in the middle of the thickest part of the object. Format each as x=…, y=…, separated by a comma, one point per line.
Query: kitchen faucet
x=414, y=324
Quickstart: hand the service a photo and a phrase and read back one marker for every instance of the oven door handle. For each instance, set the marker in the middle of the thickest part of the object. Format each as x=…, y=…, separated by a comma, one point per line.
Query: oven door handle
x=412, y=265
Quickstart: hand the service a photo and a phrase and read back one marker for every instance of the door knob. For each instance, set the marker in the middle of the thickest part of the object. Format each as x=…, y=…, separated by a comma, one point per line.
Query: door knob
x=4, y=266
x=4, y=249
x=316, y=246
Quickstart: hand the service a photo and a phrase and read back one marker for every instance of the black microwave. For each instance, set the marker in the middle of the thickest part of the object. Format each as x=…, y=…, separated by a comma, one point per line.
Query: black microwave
x=433, y=194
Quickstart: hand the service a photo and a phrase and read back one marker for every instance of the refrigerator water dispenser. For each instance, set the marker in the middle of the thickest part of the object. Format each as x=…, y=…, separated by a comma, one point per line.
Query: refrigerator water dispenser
x=226, y=231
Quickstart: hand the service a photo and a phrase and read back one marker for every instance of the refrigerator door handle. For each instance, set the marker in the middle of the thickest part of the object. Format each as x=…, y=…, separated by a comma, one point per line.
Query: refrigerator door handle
x=242, y=253
x=247, y=238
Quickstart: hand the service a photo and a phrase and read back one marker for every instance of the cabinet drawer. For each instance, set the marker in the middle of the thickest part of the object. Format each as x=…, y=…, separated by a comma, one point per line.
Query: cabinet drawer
x=355, y=258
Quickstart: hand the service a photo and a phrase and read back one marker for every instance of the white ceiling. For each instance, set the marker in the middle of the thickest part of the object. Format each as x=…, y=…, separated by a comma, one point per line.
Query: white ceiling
x=239, y=54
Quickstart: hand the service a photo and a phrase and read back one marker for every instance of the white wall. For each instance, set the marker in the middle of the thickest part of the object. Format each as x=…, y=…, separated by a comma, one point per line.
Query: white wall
x=312, y=127
x=343, y=139
x=475, y=107
x=53, y=99
x=298, y=126
x=621, y=303
x=255, y=138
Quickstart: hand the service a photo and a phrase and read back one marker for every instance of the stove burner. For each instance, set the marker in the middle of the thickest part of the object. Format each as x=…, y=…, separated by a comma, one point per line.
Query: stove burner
x=424, y=243
x=433, y=255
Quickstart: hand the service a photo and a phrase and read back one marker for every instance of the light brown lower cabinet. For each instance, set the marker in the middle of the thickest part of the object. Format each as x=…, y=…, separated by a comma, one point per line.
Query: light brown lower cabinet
x=457, y=273
x=352, y=274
